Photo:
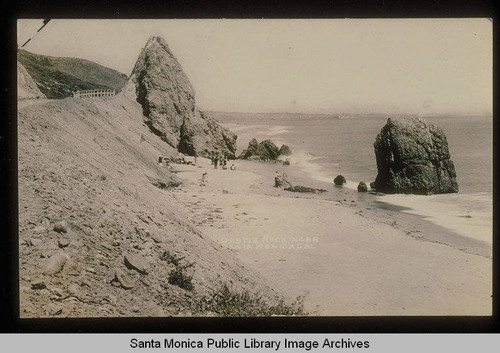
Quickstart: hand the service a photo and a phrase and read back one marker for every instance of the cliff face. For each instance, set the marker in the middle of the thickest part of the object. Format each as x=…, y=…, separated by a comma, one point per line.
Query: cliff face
x=413, y=158
x=168, y=101
x=26, y=86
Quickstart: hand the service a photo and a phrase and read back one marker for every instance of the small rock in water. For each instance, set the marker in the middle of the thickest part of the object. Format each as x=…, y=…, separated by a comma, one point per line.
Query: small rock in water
x=136, y=262
x=362, y=187
x=339, y=180
x=62, y=243
x=55, y=263
x=61, y=227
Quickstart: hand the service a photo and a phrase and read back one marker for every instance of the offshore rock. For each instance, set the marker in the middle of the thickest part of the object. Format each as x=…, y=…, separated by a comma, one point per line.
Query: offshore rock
x=264, y=151
x=413, y=158
x=267, y=151
x=285, y=150
x=168, y=101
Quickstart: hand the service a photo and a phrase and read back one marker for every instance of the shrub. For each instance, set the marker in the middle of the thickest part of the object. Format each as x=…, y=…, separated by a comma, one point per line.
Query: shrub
x=229, y=302
x=178, y=276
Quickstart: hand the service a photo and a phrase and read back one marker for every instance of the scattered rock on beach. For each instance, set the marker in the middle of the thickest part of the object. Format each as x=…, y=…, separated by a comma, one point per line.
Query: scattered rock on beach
x=136, y=262
x=121, y=280
x=339, y=180
x=54, y=309
x=38, y=284
x=372, y=186
x=62, y=243
x=362, y=187
x=39, y=230
x=413, y=158
x=305, y=189
x=61, y=227
x=56, y=263
x=281, y=181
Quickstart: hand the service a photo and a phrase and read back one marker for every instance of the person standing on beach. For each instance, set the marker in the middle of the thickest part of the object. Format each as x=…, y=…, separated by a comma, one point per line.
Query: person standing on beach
x=216, y=161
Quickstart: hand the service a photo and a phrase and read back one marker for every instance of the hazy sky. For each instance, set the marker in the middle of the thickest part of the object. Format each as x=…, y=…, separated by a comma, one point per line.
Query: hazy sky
x=326, y=66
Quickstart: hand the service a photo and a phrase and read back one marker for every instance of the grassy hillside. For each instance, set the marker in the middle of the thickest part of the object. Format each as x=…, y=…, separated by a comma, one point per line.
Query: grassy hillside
x=58, y=77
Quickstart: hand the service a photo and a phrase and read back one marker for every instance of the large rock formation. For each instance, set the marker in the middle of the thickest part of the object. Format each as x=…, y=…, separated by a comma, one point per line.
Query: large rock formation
x=413, y=158
x=26, y=86
x=264, y=151
x=168, y=101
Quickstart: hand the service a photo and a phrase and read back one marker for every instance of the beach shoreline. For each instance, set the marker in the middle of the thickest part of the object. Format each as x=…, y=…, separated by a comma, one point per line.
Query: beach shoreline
x=340, y=250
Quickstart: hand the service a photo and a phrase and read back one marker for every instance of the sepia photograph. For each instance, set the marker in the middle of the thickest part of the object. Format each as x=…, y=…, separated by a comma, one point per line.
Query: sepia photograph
x=255, y=167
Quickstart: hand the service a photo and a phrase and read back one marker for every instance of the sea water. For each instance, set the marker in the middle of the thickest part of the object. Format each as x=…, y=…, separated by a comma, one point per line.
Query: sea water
x=327, y=145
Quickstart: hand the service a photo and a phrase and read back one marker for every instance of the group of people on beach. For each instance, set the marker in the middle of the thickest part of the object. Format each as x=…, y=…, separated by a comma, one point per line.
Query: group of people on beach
x=219, y=158
x=167, y=160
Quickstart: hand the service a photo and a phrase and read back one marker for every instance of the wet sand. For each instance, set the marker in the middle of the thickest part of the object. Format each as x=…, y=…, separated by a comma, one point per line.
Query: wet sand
x=343, y=251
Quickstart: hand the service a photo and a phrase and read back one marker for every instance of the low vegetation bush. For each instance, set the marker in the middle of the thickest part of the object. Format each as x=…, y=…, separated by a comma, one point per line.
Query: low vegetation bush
x=230, y=302
x=179, y=276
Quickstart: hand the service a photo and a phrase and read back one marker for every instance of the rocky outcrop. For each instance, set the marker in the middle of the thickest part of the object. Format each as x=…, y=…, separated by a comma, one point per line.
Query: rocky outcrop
x=268, y=151
x=264, y=151
x=168, y=101
x=26, y=86
x=413, y=158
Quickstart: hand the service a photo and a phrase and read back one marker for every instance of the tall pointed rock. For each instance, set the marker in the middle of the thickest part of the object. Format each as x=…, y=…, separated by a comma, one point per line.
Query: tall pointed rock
x=168, y=101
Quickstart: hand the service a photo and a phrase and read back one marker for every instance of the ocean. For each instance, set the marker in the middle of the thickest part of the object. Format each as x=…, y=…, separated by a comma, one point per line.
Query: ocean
x=327, y=145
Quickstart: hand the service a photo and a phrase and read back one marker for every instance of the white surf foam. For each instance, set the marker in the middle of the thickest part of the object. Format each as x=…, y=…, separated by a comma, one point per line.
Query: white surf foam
x=470, y=215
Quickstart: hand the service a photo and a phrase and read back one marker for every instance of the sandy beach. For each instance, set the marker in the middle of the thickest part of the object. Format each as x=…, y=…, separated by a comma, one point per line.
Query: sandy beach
x=340, y=250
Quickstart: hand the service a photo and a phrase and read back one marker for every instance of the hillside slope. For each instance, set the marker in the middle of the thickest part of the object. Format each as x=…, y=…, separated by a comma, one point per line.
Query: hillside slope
x=92, y=163
x=26, y=87
x=59, y=77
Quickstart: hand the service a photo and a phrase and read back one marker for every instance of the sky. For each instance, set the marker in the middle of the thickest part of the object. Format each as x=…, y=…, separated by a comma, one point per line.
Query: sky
x=397, y=66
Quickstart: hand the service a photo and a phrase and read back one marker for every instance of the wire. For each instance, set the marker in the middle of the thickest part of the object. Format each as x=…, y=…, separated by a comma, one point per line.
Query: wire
x=45, y=21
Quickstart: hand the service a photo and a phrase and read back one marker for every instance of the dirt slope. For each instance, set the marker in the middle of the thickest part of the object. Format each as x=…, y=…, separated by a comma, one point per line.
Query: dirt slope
x=92, y=163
